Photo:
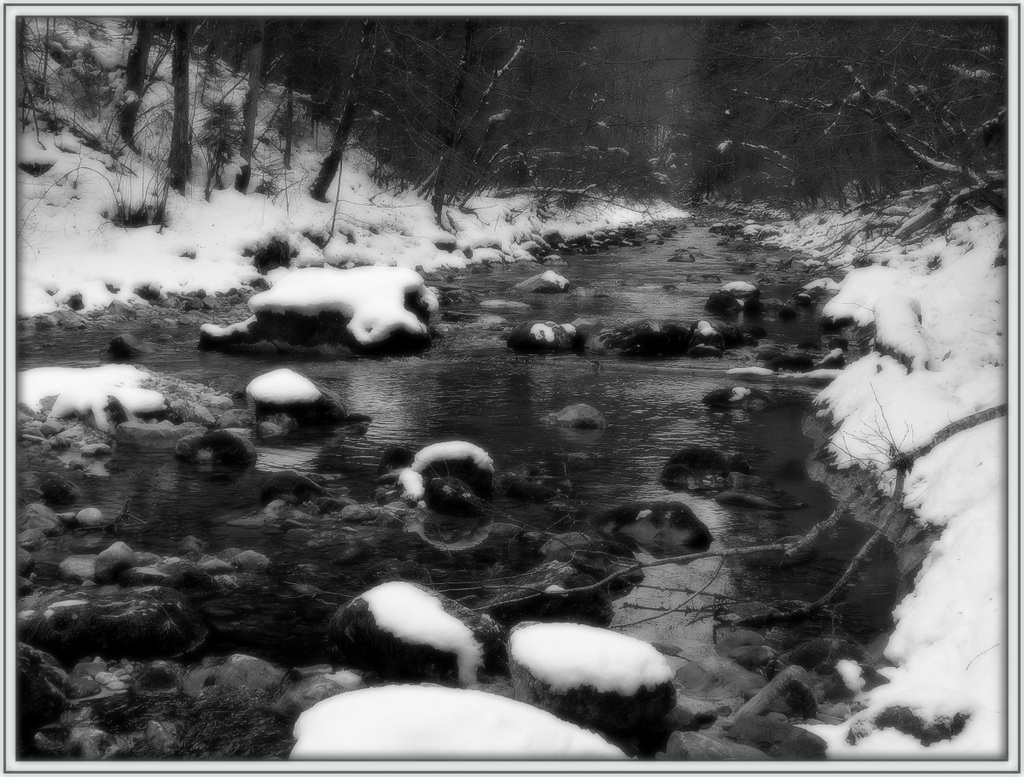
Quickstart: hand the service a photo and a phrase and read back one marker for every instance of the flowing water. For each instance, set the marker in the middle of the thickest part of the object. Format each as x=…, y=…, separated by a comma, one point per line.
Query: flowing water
x=469, y=386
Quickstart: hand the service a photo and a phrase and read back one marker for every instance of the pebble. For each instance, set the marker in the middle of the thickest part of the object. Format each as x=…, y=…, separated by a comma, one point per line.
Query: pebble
x=116, y=685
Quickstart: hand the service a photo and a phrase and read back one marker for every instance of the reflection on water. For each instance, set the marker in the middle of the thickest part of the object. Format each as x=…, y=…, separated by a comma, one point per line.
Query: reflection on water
x=471, y=387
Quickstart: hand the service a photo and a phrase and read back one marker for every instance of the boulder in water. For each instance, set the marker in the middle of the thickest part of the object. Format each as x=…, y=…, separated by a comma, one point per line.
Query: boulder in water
x=663, y=528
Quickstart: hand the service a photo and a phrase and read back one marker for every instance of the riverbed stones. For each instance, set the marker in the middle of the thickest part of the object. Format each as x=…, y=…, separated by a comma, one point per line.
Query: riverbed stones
x=39, y=517
x=77, y=568
x=405, y=631
x=697, y=468
x=291, y=487
x=300, y=693
x=287, y=392
x=523, y=488
x=148, y=622
x=697, y=746
x=546, y=336
x=548, y=282
x=125, y=347
x=577, y=416
x=592, y=676
x=645, y=338
x=162, y=435
x=56, y=489
x=790, y=692
x=545, y=594
x=219, y=446
x=778, y=738
x=658, y=527
x=112, y=561
x=41, y=688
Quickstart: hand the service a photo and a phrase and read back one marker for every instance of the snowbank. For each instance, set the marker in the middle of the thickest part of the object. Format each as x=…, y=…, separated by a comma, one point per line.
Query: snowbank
x=948, y=644
x=416, y=721
x=415, y=616
x=571, y=655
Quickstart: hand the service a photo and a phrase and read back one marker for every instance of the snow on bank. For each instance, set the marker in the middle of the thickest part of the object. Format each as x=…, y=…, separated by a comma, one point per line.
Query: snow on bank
x=948, y=644
x=418, y=721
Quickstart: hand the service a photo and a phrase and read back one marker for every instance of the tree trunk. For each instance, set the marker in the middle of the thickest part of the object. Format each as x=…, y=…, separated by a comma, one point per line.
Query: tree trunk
x=448, y=132
x=135, y=81
x=251, y=105
x=332, y=162
x=179, y=163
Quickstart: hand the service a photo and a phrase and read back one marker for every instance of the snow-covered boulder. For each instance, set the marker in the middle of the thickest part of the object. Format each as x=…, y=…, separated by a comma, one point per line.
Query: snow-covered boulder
x=590, y=675
x=420, y=722
x=286, y=391
x=899, y=334
x=458, y=459
x=658, y=527
x=577, y=417
x=152, y=621
x=542, y=336
x=368, y=309
x=548, y=282
x=643, y=338
x=405, y=631
x=703, y=333
x=740, y=289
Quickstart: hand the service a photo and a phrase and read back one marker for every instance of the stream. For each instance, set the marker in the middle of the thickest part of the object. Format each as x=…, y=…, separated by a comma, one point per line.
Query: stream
x=469, y=386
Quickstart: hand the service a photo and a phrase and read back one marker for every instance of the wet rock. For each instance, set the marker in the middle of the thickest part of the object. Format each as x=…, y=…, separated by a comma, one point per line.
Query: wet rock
x=590, y=699
x=471, y=466
x=158, y=678
x=543, y=594
x=235, y=419
x=926, y=729
x=719, y=678
x=662, y=528
x=162, y=435
x=77, y=568
x=698, y=468
x=356, y=637
x=777, y=738
x=704, y=352
x=57, y=490
x=138, y=622
x=548, y=282
x=112, y=561
x=41, y=688
x=453, y=497
x=821, y=654
x=220, y=446
x=125, y=346
x=743, y=499
x=695, y=746
x=287, y=392
x=577, y=417
x=722, y=303
x=790, y=692
x=298, y=696
x=595, y=556
x=94, y=518
x=95, y=450
x=243, y=671
x=88, y=743
x=39, y=517
x=162, y=736
x=738, y=397
x=541, y=336
x=25, y=562
x=291, y=487
x=643, y=339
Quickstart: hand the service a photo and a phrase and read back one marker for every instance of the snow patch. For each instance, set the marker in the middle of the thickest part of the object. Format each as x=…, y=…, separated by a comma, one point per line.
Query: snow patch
x=453, y=449
x=282, y=387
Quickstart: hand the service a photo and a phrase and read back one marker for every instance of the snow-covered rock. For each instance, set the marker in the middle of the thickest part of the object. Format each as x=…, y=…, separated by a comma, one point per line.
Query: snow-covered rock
x=548, y=282
x=406, y=631
x=541, y=336
x=459, y=459
x=286, y=391
x=420, y=722
x=594, y=676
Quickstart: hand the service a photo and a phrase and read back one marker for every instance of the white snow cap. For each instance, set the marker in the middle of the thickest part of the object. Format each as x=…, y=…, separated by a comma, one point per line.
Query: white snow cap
x=570, y=655
x=545, y=331
x=453, y=449
x=84, y=390
x=741, y=287
x=420, y=721
x=282, y=387
x=411, y=484
x=416, y=617
x=374, y=298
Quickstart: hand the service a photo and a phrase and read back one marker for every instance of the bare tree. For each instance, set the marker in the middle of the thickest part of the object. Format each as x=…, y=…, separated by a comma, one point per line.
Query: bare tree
x=251, y=106
x=179, y=163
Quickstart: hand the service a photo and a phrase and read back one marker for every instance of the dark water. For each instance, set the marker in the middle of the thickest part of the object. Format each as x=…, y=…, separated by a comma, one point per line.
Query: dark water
x=470, y=387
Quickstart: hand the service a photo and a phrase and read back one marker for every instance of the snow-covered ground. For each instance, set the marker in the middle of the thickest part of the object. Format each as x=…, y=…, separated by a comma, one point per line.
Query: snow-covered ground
x=953, y=326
